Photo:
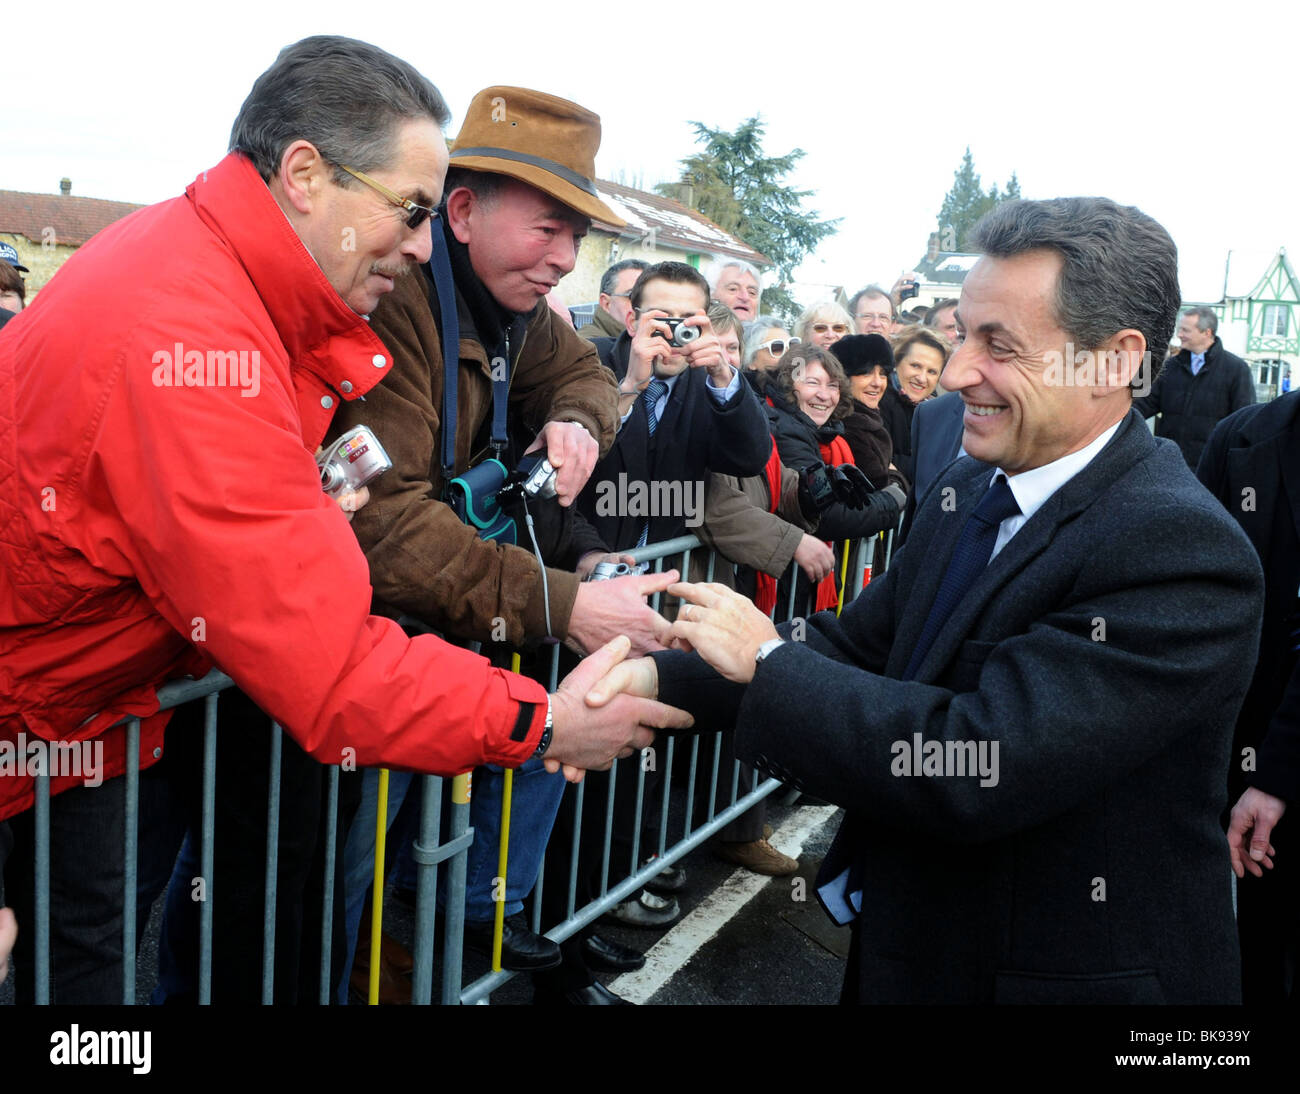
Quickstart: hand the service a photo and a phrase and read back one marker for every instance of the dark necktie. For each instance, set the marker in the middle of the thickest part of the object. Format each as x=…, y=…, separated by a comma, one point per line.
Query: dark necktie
x=653, y=393
x=971, y=555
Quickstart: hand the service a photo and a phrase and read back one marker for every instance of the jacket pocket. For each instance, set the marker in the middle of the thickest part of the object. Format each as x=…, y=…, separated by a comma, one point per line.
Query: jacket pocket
x=1132, y=986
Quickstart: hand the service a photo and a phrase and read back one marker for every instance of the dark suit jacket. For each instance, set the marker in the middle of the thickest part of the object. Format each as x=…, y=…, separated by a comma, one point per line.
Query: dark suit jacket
x=694, y=436
x=1106, y=649
x=936, y=442
x=1252, y=465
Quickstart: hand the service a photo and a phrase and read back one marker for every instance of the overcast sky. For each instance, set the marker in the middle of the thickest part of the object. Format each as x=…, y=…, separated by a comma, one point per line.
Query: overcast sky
x=1190, y=116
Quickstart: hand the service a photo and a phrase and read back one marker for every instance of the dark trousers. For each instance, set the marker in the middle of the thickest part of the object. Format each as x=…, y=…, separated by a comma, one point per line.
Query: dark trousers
x=86, y=892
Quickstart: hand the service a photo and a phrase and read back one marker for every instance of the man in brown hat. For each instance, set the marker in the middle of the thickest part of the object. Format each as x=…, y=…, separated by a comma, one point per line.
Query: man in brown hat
x=519, y=199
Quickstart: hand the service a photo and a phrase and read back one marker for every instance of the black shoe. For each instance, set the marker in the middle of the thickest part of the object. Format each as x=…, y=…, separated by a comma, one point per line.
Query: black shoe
x=610, y=956
x=593, y=995
x=521, y=950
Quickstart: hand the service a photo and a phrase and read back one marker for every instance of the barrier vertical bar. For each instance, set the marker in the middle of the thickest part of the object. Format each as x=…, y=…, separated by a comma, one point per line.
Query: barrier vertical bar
x=454, y=940
x=130, y=859
x=327, y=904
x=377, y=892
x=427, y=890
x=41, y=789
x=609, y=828
x=206, y=849
x=272, y=867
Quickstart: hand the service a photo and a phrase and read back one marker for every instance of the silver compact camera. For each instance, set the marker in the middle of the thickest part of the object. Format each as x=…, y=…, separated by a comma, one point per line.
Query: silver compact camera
x=539, y=476
x=604, y=571
x=353, y=460
x=682, y=335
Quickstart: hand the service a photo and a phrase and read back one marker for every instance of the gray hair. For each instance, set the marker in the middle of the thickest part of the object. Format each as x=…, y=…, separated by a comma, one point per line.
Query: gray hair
x=873, y=291
x=1205, y=319
x=345, y=97
x=610, y=276
x=1119, y=266
x=722, y=265
x=754, y=331
x=827, y=308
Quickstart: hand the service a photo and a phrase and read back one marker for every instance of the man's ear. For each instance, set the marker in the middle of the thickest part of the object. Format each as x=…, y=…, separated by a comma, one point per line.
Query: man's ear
x=460, y=208
x=1122, y=360
x=303, y=171
x=630, y=322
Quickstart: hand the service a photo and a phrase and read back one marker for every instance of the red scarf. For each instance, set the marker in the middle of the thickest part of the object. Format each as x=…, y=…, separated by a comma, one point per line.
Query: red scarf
x=765, y=593
x=835, y=453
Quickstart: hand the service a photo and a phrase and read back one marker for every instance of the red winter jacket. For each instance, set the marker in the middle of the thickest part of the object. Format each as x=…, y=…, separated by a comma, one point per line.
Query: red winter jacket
x=156, y=520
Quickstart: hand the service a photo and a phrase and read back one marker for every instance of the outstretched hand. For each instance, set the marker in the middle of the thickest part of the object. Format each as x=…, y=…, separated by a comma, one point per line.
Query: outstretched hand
x=589, y=738
x=721, y=626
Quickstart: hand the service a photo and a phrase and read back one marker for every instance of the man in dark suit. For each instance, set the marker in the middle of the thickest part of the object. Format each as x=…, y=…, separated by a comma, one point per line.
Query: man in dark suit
x=1198, y=387
x=1029, y=717
x=685, y=412
x=1251, y=464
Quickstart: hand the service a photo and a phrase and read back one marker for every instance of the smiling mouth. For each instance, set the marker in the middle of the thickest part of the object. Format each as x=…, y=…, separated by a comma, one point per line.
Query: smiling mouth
x=984, y=410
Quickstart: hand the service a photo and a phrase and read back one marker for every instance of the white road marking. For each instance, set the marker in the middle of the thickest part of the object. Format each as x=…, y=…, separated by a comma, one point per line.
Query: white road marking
x=680, y=944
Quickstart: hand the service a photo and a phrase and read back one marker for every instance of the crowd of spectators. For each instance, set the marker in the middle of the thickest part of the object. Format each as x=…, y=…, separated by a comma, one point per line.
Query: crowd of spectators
x=772, y=442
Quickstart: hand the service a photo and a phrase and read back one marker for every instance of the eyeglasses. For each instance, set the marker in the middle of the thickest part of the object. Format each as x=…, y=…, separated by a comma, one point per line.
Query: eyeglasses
x=777, y=346
x=822, y=328
x=415, y=214
x=883, y=317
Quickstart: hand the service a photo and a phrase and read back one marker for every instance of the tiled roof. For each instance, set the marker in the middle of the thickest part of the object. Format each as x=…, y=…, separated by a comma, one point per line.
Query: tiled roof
x=674, y=223
x=74, y=219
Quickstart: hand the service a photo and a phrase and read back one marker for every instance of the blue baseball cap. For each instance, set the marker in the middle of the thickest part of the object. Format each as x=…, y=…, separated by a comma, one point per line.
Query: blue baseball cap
x=8, y=254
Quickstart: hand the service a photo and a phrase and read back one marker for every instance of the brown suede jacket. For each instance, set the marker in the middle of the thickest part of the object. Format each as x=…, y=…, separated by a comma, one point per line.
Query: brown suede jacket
x=423, y=560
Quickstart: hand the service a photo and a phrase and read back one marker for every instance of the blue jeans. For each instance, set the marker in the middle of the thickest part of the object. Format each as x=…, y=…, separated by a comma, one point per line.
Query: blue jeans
x=535, y=798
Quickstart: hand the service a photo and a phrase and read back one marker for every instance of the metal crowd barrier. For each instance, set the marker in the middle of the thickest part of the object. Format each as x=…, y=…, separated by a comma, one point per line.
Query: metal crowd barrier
x=430, y=850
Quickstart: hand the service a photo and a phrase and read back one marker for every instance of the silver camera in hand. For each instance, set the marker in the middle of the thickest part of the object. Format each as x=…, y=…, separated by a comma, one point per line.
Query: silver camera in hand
x=539, y=476
x=353, y=460
x=682, y=335
x=604, y=571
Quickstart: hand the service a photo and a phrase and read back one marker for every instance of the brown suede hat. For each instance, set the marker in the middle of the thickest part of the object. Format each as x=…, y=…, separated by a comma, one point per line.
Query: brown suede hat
x=545, y=141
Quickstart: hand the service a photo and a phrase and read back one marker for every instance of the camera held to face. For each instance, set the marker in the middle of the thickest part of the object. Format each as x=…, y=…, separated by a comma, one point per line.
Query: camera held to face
x=682, y=335
x=352, y=461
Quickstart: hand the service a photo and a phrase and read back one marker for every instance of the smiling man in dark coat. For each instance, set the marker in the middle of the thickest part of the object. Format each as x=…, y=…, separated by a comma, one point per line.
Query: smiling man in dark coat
x=1029, y=717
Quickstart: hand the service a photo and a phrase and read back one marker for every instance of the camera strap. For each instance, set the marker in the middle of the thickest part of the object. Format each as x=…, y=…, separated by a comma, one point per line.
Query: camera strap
x=445, y=286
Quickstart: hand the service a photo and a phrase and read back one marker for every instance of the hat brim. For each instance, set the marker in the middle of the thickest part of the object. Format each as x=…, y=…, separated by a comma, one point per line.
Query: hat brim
x=577, y=199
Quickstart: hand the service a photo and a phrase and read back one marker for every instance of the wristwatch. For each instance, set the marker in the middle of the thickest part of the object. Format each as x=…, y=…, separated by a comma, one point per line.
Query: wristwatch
x=767, y=647
x=545, y=742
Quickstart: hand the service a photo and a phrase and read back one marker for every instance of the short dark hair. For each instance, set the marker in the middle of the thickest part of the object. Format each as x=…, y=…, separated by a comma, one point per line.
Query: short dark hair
x=486, y=186
x=679, y=273
x=345, y=97
x=12, y=281
x=1119, y=266
x=610, y=276
x=794, y=361
x=872, y=290
x=1205, y=319
x=932, y=313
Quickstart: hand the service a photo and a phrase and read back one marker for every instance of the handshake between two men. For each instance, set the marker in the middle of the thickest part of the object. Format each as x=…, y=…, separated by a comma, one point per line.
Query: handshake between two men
x=608, y=704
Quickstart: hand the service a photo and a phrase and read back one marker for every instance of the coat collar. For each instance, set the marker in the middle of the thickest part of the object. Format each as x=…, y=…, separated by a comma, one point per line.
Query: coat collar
x=320, y=333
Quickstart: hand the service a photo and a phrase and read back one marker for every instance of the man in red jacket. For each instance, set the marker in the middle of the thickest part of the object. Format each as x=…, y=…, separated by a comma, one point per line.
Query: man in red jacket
x=162, y=511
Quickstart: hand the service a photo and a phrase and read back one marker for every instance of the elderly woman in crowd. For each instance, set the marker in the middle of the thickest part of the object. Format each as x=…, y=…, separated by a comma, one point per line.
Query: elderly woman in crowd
x=823, y=324
x=810, y=398
x=920, y=354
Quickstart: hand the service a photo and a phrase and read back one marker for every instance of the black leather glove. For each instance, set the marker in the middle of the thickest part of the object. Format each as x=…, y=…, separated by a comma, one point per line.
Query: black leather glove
x=816, y=491
x=851, y=486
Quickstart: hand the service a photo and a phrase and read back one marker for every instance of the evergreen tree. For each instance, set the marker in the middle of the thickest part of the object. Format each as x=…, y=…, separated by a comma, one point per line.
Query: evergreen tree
x=733, y=183
x=967, y=201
